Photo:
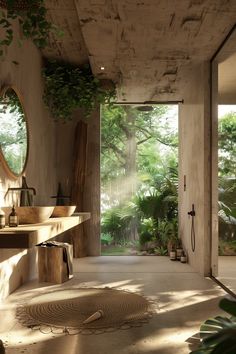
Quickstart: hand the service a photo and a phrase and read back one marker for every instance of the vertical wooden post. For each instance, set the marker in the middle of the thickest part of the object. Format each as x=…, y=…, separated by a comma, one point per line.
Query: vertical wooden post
x=78, y=182
x=86, y=185
x=91, y=199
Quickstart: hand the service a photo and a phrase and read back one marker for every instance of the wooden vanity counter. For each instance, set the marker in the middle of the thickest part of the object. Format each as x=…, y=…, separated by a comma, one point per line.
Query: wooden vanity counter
x=27, y=236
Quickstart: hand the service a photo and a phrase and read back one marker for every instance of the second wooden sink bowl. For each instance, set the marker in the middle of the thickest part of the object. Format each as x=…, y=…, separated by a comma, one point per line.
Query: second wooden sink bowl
x=63, y=210
x=30, y=214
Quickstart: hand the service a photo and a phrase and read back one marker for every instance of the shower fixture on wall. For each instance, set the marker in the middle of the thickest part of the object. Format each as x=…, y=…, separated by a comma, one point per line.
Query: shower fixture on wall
x=144, y=108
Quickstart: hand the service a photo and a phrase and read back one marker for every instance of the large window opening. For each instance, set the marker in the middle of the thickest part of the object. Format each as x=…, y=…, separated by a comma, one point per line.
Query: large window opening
x=224, y=163
x=227, y=193
x=139, y=157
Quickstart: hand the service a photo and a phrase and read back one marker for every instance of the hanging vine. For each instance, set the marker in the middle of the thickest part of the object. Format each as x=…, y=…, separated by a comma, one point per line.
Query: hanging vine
x=31, y=16
x=68, y=87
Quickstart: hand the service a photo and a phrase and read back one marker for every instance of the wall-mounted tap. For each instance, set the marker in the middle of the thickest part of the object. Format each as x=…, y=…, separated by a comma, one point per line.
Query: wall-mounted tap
x=20, y=189
x=26, y=198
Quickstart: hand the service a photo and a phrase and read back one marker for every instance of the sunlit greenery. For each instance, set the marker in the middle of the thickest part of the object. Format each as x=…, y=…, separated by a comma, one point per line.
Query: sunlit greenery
x=227, y=183
x=139, y=176
x=13, y=132
x=227, y=145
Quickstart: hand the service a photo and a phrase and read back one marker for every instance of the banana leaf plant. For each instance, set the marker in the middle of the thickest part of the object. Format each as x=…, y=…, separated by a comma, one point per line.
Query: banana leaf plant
x=218, y=334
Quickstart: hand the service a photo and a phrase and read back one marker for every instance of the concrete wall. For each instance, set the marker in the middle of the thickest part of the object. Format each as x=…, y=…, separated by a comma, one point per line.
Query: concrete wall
x=214, y=171
x=194, y=163
x=41, y=167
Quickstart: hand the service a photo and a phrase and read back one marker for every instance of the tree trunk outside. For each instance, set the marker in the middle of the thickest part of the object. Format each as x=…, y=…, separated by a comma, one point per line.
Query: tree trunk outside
x=130, y=180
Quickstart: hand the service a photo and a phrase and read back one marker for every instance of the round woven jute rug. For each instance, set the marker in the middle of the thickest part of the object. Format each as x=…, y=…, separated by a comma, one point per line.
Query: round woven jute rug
x=66, y=310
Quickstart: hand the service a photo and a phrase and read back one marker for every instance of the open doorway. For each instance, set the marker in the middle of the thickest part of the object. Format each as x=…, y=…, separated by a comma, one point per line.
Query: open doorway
x=227, y=194
x=224, y=164
x=139, y=200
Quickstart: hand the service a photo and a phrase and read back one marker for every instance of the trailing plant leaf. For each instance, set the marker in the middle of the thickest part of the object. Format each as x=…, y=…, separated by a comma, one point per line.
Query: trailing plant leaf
x=68, y=87
x=31, y=17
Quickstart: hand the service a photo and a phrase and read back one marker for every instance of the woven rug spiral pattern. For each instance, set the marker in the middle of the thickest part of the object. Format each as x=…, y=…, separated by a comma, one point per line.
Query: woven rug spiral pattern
x=67, y=309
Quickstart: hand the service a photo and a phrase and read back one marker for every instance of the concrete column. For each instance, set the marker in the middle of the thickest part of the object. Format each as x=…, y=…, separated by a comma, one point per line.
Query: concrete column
x=214, y=172
x=194, y=166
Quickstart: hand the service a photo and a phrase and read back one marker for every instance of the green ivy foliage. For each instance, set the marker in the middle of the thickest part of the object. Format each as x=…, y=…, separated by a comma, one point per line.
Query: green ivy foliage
x=68, y=87
x=31, y=17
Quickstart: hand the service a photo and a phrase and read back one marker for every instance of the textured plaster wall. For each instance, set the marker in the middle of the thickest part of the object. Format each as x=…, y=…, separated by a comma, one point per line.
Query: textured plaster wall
x=41, y=167
x=194, y=163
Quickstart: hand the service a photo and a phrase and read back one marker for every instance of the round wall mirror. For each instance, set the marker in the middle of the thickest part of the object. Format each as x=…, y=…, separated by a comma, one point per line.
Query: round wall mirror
x=13, y=132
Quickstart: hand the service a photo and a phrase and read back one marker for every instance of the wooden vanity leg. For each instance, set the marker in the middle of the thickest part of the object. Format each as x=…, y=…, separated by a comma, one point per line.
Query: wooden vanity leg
x=79, y=241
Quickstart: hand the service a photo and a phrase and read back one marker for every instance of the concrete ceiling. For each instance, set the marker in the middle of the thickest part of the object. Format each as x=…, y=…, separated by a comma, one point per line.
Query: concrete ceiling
x=145, y=46
x=70, y=47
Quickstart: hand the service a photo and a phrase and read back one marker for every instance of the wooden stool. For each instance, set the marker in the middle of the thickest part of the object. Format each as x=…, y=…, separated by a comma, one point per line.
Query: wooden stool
x=51, y=265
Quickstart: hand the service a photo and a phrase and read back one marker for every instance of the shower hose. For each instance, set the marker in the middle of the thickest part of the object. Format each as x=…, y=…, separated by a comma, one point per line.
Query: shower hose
x=193, y=240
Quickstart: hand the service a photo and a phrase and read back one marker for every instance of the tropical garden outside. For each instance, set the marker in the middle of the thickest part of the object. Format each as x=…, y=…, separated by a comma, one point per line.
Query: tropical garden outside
x=139, y=179
x=227, y=179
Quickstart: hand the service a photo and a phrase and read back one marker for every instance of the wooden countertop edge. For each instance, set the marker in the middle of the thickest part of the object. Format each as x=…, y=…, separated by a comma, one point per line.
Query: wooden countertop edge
x=27, y=236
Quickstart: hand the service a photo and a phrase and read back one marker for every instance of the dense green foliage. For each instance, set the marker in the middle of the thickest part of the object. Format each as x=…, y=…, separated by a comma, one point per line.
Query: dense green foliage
x=227, y=184
x=227, y=145
x=132, y=149
x=31, y=17
x=68, y=87
x=139, y=176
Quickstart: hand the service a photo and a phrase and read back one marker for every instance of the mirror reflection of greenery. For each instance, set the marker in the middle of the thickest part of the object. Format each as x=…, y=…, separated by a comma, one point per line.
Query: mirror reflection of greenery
x=13, y=134
x=11, y=102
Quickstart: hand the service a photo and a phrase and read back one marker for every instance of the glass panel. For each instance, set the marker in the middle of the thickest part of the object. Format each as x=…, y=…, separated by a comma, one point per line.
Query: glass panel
x=224, y=98
x=227, y=179
x=13, y=132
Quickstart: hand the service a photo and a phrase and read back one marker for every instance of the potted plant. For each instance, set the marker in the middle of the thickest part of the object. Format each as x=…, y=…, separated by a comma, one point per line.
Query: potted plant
x=218, y=334
x=168, y=230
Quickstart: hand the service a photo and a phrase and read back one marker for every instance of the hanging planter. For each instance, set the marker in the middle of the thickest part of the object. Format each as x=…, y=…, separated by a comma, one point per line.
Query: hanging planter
x=68, y=87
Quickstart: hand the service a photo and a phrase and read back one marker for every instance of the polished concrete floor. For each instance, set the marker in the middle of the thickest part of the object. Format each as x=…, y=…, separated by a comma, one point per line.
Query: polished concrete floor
x=184, y=300
x=227, y=271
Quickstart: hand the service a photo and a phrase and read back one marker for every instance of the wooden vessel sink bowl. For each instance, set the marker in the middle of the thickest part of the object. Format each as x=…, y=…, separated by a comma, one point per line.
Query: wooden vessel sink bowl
x=63, y=210
x=30, y=214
